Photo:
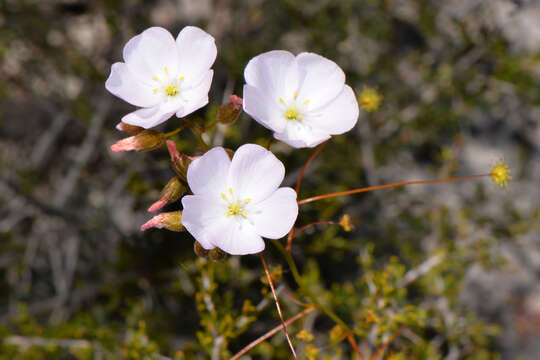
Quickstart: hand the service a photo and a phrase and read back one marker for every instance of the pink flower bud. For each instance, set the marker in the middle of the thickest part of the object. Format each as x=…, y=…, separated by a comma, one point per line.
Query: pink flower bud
x=129, y=129
x=170, y=193
x=180, y=162
x=229, y=113
x=236, y=100
x=146, y=140
x=170, y=220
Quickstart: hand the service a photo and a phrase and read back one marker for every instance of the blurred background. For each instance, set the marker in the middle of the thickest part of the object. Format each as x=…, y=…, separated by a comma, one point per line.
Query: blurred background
x=455, y=266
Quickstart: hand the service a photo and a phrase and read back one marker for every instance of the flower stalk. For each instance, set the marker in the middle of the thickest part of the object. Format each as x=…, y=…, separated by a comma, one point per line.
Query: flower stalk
x=385, y=186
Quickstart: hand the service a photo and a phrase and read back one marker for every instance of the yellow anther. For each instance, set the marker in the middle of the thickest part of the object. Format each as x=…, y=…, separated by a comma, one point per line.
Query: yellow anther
x=154, y=77
x=166, y=70
x=230, y=191
x=281, y=100
x=294, y=95
x=291, y=114
x=300, y=117
x=224, y=196
x=155, y=90
x=171, y=90
x=247, y=200
x=181, y=78
x=244, y=214
x=306, y=102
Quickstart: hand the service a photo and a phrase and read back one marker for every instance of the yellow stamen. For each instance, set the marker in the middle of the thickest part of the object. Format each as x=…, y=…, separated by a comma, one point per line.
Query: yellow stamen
x=306, y=102
x=224, y=196
x=291, y=114
x=300, y=117
x=230, y=191
x=166, y=70
x=155, y=90
x=247, y=200
x=294, y=95
x=181, y=78
x=281, y=100
x=500, y=174
x=154, y=77
x=171, y=90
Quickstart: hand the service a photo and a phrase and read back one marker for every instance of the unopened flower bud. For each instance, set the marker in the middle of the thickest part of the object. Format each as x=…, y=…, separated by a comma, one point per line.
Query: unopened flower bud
x=199, y=250
x=216, y=254
x=146, y=140
x=345, y=223
x=129, y=129
x=228, y=113
x=169, y=220
x=170, y=193
x=180, y=162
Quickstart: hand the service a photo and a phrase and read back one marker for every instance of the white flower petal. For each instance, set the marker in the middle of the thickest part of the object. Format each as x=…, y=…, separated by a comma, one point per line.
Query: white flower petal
x=196, y=53
x=236, y=236
x=208, y=174
x=275, y=73
x=338, y=116
x=299, y=134
x=200, y=213
x=263, y=109
x=321, y=80
x=128, y=87
x=196, y=97
x=148, y=117
x=275, y=216
x=255, y=173
x=149, y=53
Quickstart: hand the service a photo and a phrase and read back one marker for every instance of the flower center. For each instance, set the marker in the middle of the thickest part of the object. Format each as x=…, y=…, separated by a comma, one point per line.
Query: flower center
x=169, y=86
x=291, y=114
x=292, y=109
x=235, y=206
x=171, y=90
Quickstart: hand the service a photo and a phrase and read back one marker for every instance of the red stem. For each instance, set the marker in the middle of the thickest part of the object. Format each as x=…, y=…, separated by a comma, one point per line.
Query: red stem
x=377, y=187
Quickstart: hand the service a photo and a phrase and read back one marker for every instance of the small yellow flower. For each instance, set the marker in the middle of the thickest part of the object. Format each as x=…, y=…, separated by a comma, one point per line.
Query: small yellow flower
x=345, y=223
x=370, y=99
x=500, y=174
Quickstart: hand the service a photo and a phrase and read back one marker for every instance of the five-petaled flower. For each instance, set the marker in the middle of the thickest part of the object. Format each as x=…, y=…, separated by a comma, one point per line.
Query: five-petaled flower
x=303, y=99
x=237, y=202
x=164, y=76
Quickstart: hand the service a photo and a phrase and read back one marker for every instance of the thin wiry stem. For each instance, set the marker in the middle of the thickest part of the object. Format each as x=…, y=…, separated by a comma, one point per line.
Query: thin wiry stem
x=199, y=133
x=283, y=324
x=175, y=131
x=270, y=333
x=388, y=342
x=377, y=187
x=299, y=183
x=307, y=291
x=351, y=340
x=299, y=230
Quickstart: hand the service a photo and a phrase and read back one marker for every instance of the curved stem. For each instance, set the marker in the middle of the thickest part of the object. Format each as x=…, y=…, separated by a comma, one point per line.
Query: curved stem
x=377, y=187
x=299, y=183
x=175, y=131
x=312, y=297
x=198, y=132
x=299, y=230
x=270, y=333
x=283, y=324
